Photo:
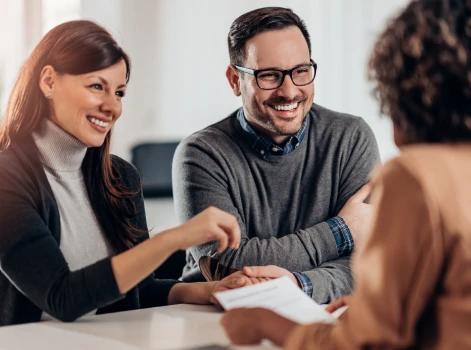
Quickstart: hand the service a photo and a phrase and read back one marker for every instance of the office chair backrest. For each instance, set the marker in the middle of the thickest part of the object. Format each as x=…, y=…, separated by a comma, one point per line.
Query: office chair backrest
x=154, y=162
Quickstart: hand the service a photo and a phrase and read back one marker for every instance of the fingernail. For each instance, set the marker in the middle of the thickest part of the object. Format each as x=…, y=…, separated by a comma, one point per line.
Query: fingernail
x=240, y=281
x=248, y=269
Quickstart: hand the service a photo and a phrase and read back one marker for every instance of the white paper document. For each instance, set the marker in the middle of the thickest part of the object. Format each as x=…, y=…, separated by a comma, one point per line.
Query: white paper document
x=280, y=295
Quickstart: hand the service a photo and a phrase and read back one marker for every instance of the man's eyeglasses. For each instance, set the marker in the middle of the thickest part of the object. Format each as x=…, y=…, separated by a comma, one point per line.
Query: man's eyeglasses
x=270, y=79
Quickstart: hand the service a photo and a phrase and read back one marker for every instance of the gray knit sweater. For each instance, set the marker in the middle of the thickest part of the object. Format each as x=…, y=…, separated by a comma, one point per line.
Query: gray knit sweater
x=281, y=202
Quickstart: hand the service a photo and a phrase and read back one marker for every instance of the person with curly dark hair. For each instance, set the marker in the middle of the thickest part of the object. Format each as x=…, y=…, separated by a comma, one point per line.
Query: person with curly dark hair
x=412, y=271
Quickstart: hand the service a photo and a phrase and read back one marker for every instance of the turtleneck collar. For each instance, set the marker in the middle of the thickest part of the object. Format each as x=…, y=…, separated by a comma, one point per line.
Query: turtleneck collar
x=59, y=152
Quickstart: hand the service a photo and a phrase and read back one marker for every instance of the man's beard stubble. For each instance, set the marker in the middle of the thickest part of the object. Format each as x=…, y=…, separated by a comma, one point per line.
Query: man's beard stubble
x=264, y=119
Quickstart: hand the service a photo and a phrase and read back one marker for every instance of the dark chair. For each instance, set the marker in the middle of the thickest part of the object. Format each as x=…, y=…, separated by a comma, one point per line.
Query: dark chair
x=154, y=163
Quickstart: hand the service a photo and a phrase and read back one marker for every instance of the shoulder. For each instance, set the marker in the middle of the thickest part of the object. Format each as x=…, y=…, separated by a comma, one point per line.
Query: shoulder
x=343, y=122
x=16, y=166
x=418, y=169
x=400, y=167
x=7, y=157
x=327, y=115
x=218, y=136
x=128, y=173
x=398, y=185
x=9, y=166
x=22, y=176
x=434, y=162
x=348, y=133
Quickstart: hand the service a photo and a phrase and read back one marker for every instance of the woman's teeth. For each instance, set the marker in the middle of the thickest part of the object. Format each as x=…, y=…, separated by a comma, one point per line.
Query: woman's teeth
x=286, y=107
x=98, y=122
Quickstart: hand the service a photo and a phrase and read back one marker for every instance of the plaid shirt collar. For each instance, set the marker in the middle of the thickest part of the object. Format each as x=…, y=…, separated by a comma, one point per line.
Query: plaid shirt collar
x=264, y=147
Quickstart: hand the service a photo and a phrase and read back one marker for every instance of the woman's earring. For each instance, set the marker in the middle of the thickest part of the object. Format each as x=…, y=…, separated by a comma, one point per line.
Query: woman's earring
x=48, y=95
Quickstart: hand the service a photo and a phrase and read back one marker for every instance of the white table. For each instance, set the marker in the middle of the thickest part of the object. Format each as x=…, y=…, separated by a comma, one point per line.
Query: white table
x=168, y=327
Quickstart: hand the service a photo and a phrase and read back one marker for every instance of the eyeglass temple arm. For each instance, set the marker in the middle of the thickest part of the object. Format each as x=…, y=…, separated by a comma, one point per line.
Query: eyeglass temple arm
x=243, y=69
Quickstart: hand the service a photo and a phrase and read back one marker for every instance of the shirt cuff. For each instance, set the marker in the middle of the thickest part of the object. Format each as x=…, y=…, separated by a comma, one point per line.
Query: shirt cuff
x=304, y=282
x=342, y=235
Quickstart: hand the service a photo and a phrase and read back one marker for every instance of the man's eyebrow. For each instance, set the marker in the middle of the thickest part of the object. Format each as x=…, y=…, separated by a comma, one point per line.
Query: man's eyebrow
x=277, y=68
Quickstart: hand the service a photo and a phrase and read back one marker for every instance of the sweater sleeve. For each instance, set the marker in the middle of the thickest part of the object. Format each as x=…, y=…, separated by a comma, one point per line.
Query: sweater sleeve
x=31, y=259
x=358, y=161
x=331, y=280
x=391, y=293
x=199, y=182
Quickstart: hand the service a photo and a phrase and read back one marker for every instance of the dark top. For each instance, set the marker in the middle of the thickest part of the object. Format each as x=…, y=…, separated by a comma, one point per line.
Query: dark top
x=34, y=275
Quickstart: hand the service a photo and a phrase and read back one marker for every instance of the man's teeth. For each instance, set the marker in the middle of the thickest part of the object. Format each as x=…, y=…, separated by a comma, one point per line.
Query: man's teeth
x=98, y=122
x=286, y=107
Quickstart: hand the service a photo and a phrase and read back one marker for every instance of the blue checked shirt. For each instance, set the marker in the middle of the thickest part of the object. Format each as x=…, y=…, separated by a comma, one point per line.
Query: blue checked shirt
x=264, y=147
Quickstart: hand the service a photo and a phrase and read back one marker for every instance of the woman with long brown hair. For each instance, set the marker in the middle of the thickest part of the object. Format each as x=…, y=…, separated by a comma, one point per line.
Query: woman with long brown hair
x=413, y=270
x=73, y=234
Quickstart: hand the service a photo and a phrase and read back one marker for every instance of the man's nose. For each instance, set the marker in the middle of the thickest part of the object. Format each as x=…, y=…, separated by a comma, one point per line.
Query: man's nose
x=288, y=89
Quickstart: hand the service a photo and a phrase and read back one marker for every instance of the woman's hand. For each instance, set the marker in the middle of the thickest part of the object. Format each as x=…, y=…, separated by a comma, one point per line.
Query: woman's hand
x=242, y=325
x=250, y=326
x=211, y=224
x=135, y=264
x=337, y=304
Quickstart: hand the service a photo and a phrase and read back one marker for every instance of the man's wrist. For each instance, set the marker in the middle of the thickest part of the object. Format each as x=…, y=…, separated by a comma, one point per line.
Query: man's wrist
x=342, y=235
x=304, y=283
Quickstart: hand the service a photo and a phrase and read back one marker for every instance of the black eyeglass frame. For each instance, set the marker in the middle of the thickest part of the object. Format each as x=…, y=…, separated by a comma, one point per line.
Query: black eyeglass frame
x=285, y=72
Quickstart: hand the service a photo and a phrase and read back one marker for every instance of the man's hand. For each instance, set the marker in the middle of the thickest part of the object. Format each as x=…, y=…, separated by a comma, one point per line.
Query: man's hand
x=235, y=280
x=358, y=215
x=269, y=272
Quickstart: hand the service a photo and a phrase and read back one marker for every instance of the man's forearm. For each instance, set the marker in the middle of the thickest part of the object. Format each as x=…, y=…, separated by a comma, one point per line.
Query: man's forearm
x=331, y=280
x=301, y=251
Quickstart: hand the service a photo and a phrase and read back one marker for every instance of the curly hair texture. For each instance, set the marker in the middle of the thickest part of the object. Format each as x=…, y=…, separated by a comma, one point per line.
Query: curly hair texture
x=421, y=68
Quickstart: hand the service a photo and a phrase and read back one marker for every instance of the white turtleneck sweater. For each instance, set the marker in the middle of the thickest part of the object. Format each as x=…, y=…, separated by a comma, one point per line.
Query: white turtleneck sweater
x=82, y=241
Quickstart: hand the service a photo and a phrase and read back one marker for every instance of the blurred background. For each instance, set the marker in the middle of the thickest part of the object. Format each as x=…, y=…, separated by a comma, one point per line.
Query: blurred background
x=179, y=57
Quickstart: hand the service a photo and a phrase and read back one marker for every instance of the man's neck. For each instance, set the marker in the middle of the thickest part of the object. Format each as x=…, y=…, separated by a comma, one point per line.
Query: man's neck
x=279, y=140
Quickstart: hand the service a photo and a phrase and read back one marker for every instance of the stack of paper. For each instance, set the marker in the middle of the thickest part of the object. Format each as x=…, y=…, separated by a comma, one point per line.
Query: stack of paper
x=280, y=295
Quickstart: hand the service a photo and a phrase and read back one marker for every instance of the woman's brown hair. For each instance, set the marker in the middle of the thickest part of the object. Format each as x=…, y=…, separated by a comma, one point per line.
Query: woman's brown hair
x=76, y=47
x=421, y=65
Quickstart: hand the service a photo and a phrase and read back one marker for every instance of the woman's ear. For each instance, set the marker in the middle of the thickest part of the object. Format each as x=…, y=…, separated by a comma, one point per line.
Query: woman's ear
x=400, y=136
x=233, y=78
x=47, y=80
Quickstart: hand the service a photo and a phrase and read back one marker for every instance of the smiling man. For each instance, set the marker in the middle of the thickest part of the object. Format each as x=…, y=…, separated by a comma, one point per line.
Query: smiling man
x=288, y=169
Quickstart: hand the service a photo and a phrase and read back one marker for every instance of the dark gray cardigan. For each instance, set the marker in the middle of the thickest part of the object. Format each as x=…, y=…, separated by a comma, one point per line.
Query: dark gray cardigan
x=34, y=275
